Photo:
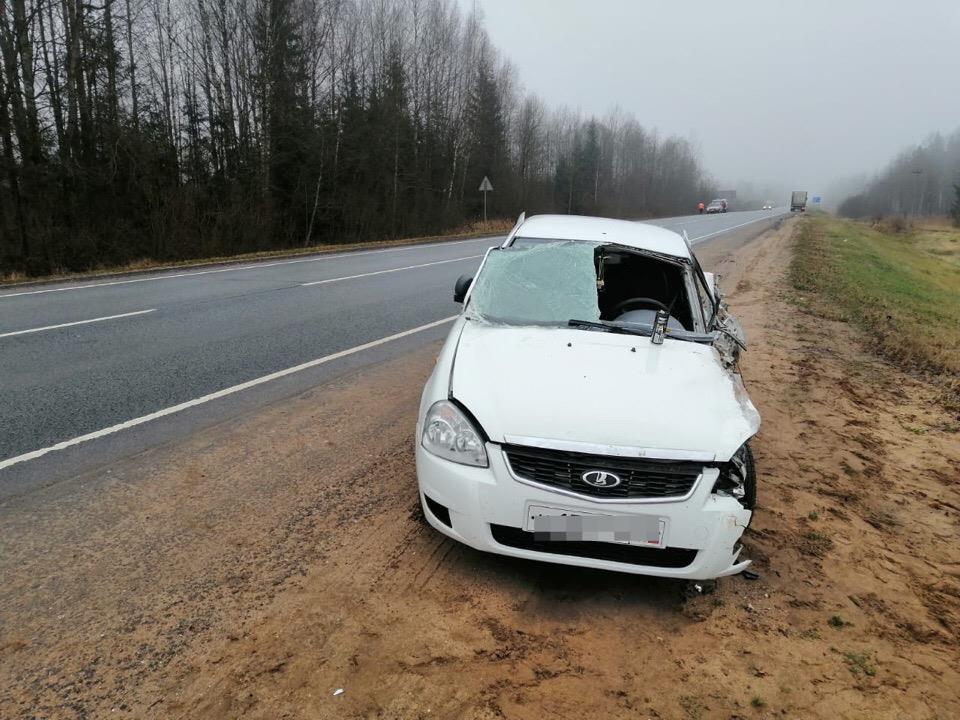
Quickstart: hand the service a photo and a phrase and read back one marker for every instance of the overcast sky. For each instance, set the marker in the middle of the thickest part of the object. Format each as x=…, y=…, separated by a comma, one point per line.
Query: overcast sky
x=770, y=95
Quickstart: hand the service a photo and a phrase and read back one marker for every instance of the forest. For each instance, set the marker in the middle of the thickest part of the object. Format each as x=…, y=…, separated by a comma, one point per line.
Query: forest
x=178, y=129
x=921, y=180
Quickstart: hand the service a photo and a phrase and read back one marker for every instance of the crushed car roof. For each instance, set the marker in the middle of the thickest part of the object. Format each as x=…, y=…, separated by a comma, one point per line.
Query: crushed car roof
x=603, y=230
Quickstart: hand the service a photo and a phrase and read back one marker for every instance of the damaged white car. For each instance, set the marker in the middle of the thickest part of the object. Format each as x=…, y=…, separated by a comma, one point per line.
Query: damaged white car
x=587, y=407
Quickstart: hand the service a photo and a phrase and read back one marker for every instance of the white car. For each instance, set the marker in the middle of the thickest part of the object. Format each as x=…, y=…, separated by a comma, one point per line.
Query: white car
x=586, y=408
x=717, y=206
x=768, y=206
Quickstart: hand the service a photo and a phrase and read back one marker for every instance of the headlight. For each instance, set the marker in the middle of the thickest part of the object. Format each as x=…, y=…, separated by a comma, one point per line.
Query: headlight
x=447, y=433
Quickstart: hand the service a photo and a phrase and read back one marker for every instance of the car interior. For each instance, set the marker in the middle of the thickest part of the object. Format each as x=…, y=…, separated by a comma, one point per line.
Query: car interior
x=632, y=287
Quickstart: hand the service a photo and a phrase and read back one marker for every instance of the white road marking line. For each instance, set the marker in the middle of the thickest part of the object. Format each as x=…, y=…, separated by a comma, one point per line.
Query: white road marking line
x=669, y=222
x=391, y=270
x=78, y=322
x=679, y=224
x=734, y=227
x=327, y=256
x=218, y=394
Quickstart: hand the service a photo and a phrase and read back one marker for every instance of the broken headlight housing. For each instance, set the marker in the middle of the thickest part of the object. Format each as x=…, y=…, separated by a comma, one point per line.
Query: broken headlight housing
x=733, y=475
x=448, y=433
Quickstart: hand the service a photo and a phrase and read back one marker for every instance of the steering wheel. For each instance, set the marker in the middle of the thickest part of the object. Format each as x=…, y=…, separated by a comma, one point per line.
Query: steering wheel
x=621, y=307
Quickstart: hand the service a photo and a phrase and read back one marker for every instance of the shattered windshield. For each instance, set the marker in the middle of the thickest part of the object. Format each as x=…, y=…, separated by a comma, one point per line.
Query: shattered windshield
x=587, y=285
x=545, y=284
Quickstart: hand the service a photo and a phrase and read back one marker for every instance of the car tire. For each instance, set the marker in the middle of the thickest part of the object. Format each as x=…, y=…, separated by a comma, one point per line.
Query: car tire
x=749, y=500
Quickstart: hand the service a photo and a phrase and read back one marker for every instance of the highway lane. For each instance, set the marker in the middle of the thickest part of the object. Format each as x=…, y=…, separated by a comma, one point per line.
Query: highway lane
x=703, y=228
x=80, y=357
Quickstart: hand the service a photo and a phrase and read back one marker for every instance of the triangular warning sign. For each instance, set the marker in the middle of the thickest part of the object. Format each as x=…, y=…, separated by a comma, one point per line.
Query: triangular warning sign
x=485, y=186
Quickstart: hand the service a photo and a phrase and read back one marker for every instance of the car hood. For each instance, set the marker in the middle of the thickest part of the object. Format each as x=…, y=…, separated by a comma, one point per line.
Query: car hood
x=572, y=387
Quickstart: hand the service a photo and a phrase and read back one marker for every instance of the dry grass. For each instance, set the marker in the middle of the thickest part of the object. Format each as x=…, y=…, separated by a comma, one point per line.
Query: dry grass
x=893, y=225
x=937, y=222
x=475, y=229
x=13, y=277
x=902, y=287
x=494, y=226
x=938, y=237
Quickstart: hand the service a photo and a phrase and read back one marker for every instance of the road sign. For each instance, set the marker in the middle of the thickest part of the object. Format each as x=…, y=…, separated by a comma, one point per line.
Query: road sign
x=816, y=199
x=485, y=187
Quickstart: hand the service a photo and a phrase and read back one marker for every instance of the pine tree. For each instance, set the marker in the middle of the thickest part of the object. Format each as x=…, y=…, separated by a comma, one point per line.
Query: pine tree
x=288, y=121
x=488, y=153
x=588, y=179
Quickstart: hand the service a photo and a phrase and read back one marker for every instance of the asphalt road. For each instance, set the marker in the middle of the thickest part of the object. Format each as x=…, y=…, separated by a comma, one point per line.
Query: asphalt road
x=94, y=370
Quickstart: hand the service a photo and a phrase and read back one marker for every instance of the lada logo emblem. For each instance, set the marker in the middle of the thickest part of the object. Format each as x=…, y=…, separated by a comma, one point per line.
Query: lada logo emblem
x=600, y=479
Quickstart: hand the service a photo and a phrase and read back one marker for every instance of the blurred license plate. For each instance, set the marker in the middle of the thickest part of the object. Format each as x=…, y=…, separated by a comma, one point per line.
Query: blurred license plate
x=550, y=523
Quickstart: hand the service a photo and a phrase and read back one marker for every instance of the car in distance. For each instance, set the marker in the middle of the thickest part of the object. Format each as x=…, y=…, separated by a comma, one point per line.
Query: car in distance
x=717, y=206
x=587, y=408
x=768, y=205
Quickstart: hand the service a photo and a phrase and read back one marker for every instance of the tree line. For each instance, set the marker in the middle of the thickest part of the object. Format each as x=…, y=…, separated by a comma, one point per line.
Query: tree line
x=922, y=180
x=173, y=129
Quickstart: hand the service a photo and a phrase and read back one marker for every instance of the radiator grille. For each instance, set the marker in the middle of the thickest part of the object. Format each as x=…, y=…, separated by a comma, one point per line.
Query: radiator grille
x=639, y=478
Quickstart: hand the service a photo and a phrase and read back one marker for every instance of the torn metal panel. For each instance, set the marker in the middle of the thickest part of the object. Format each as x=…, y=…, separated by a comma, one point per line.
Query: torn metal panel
x=728, y=348
x=730, y=337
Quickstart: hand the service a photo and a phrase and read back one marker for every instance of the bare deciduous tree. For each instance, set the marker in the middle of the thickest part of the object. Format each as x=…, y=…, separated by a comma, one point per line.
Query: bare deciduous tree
x=183, y=128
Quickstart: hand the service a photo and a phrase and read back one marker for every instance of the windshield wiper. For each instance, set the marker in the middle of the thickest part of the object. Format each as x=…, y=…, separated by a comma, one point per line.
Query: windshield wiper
x=685, y=336
x=688, y=336
x=608, y=327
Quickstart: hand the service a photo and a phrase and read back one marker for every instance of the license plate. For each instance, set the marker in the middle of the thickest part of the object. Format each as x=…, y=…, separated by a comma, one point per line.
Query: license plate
x=551, y=523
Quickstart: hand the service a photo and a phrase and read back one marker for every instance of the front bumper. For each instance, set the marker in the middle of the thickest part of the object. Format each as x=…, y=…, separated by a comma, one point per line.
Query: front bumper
x=487, y=501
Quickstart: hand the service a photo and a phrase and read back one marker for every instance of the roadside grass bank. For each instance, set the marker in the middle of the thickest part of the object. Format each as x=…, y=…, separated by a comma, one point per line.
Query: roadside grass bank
x=477, y=229
x=900, y=284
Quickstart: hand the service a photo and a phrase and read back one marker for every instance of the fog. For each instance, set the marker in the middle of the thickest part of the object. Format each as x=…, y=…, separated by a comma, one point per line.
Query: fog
x=773, y=98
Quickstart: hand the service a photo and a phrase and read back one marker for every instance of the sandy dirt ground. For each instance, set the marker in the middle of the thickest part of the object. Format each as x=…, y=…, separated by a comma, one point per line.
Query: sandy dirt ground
x=272, y=560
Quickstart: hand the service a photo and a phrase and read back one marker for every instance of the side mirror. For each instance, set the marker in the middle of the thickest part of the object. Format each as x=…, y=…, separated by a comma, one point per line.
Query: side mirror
x=460, y=289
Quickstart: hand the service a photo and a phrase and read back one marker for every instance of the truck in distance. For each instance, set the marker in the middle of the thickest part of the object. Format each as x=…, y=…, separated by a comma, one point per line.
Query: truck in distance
x=798, y=201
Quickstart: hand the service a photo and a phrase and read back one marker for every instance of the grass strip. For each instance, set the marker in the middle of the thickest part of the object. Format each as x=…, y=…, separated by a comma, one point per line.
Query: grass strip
x=901, y=284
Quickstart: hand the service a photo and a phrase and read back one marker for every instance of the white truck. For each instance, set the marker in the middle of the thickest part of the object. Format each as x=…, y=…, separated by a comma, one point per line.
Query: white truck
x=798, y=201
